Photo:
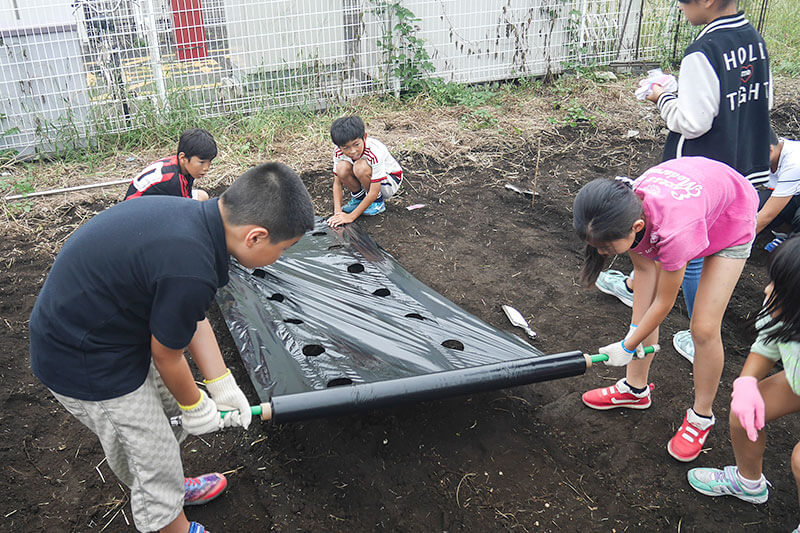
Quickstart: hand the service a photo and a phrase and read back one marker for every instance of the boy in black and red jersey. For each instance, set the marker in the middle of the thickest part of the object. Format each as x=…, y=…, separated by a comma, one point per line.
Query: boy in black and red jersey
x=175, y=175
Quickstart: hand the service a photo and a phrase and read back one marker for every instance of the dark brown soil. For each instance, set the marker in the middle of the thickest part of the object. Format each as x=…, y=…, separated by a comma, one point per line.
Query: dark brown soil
x=532, y=458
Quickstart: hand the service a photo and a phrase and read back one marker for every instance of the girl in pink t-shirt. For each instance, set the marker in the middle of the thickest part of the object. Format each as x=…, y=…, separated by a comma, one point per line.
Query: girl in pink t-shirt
x=677, y=211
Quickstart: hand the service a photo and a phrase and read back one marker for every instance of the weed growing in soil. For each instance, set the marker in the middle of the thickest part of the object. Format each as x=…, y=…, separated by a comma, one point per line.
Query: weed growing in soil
x=575, y=115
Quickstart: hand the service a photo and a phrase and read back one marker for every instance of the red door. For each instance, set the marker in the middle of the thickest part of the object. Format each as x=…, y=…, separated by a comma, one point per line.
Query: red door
x=190, y=38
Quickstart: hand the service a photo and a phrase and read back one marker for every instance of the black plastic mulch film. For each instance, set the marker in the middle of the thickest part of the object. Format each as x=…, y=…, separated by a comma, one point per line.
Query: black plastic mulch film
x=337, y=310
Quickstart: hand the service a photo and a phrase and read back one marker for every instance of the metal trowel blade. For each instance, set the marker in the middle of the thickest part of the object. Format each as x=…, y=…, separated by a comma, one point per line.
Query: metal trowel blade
x=515, y=317
x=517, y=190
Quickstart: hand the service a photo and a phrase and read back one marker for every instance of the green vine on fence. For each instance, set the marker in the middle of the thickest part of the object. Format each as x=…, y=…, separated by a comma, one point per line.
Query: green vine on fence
x=405, y=53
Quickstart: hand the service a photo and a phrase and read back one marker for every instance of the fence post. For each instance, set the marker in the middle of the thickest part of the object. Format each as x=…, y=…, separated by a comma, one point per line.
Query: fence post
x=155, y=53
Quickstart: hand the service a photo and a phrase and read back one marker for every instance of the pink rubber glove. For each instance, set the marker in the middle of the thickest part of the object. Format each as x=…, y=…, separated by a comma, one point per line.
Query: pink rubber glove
x=748, y=405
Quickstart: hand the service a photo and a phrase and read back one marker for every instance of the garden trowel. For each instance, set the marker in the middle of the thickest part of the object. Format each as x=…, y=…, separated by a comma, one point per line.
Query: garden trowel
x=516, y=318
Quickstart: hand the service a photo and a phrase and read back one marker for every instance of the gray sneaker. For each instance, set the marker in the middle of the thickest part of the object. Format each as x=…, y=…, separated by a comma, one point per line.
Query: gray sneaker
x=684, y=345
x=613, y=282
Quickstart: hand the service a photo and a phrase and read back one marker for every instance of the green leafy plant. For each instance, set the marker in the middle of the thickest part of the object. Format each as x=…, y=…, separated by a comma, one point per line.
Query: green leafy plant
x=20, y=207
x=479, y=119
x=10, y=185
x=577, y=62
x=405, y=53
x=7, y=154
x=449, y=93
x=574, y=116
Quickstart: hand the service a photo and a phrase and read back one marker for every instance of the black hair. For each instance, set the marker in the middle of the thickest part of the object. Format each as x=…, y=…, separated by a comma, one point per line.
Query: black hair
x=784, y=272
x=773, y=138
x=271, y=196
x=197, y=142
x=346, y=129
x=604, y=210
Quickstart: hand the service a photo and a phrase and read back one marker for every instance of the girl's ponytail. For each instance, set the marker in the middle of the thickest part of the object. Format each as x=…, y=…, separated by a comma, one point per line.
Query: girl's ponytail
x=593, y=264
x=604, y=210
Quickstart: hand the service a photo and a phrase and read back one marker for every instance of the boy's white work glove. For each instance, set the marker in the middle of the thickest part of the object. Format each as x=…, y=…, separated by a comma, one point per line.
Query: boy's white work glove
x=618, y=355
x=229, y=397
x=656, y=77
x=202, y=417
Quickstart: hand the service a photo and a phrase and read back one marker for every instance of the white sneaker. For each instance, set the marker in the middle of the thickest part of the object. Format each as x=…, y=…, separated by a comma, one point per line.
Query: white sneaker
x=684, y=345
x=613, y=282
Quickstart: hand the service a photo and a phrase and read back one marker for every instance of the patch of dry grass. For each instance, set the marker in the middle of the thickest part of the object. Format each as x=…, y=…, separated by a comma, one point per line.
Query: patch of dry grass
x=446, y=135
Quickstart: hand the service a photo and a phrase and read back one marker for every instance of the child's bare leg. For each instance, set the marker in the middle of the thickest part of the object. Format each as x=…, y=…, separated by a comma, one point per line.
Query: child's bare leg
x=779, y=401
x=644, y=292
x=719, y=277
x=179, y=525
x=363, y=173
x=796, y=467
x=637, y=371
x=749, y=454
x=346, y=174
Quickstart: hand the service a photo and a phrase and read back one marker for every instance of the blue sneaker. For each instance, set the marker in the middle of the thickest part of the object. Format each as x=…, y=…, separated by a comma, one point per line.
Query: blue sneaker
x=774, y=243
x=725, y=482
x=350, y=206
x=375, y=208
x=194, y=527
x=203, y=489
x=777, y=241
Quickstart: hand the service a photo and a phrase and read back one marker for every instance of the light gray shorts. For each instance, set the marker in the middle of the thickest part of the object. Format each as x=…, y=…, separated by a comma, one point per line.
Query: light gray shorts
x=141, y=447
x=391, y=184
x=740, y=251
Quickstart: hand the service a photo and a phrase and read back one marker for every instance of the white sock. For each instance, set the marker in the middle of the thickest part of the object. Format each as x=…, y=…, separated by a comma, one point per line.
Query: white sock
x=627, y=386
x=749, y=484
x=701, y=422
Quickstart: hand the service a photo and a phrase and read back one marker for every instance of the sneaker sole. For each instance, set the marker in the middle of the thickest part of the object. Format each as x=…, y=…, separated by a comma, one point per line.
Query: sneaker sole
x=614, y=294
x=617, y=406
x=682, y=459
x=752, y=499
x=683, y=354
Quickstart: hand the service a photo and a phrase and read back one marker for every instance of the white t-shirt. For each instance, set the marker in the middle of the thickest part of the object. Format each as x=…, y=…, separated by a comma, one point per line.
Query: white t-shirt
x=378, y=157
x=785, y=181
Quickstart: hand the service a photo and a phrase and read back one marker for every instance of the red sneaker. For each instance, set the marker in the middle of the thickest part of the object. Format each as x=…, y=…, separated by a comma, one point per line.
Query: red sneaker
x=688, y=442
x=619, y=395
x=203, y=489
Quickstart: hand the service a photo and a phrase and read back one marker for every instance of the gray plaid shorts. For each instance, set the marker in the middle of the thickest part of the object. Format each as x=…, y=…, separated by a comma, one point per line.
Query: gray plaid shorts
x=141, y=447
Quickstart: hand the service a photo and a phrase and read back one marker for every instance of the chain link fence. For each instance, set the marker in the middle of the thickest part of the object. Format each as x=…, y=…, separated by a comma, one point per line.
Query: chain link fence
x=71, y=68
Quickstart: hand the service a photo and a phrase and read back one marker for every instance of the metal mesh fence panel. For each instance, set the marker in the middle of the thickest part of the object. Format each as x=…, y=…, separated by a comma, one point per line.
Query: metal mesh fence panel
x=70, y=68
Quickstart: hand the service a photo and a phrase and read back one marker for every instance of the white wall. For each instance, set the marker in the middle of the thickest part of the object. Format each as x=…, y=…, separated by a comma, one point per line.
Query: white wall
x=32, y=13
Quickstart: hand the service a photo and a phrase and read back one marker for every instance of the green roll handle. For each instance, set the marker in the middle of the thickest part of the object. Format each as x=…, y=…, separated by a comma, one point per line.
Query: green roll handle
x=263, y=411
x=601, y=357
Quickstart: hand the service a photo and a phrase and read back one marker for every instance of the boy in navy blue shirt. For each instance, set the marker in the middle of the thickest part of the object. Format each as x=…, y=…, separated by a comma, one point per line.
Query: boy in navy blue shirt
x=126, y=295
